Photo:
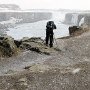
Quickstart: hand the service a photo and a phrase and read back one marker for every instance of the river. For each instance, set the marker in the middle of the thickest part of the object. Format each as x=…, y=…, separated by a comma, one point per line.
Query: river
x=37, y=29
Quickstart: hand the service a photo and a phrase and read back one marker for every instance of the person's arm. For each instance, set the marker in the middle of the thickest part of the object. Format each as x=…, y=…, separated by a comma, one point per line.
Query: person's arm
x=55, y=26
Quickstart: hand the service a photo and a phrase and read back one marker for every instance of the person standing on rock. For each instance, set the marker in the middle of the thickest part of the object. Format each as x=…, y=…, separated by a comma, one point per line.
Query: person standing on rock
x=49, y=32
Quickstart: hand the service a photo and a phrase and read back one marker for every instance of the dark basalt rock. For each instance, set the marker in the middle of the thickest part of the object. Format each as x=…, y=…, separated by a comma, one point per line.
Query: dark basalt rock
x=7, y=46
x=73, y=29
x=35, y=44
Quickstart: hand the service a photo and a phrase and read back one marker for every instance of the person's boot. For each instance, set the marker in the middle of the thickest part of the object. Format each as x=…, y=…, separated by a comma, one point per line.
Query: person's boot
x=51, y=45
x=46, y=44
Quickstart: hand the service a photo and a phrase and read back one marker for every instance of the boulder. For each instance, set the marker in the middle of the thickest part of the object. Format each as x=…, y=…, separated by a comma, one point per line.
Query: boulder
x=17, y=43
x=73, y=29
x=7, y=46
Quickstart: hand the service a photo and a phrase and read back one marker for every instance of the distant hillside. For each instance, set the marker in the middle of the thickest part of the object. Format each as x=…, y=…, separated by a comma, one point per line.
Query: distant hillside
x=9, y=7
x=74, y=11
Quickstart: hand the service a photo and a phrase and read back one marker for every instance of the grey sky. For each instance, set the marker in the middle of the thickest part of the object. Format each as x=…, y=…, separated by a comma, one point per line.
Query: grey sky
x=50, y=4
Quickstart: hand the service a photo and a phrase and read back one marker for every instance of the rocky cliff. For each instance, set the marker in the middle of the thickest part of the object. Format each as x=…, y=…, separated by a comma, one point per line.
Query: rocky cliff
x=27, y=17
x=75, y=18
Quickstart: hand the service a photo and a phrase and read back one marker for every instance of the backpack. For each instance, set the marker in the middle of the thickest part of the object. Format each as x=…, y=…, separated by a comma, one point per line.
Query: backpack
x=50, y=25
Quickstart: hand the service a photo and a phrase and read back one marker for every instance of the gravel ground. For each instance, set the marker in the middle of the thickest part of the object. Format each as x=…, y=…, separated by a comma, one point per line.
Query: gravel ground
x=68, y=69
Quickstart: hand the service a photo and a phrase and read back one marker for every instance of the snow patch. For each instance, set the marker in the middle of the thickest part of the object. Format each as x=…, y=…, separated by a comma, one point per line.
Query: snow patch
x=76, y=70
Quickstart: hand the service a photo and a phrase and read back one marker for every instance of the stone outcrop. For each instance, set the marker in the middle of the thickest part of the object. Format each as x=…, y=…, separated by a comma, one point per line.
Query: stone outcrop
x=35, y=44
x=7, y=46
x=78, y=30
x=87, y=20
x=73, y=29
x=75, y=18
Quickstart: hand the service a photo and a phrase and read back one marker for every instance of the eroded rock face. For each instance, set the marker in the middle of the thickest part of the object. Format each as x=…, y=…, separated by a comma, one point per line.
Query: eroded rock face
x=7, y=46
x=73, y=29
x=87, y=20
x=75, y=18
x=35, y=44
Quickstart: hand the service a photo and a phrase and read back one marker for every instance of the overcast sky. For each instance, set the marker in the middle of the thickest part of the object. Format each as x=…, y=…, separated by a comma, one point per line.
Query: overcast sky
x=50, y=4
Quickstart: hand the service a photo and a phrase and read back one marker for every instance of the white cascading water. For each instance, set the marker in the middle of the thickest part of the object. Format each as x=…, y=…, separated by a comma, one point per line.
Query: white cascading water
x=81, y=21
x=74, y=19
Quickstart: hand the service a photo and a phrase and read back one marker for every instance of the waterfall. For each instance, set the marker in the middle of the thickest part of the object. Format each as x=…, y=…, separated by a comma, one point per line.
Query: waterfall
x=74, y=19
x=81, y=21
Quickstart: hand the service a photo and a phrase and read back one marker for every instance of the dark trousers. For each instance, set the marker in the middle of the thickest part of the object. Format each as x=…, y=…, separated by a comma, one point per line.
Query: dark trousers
x=49, y=38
